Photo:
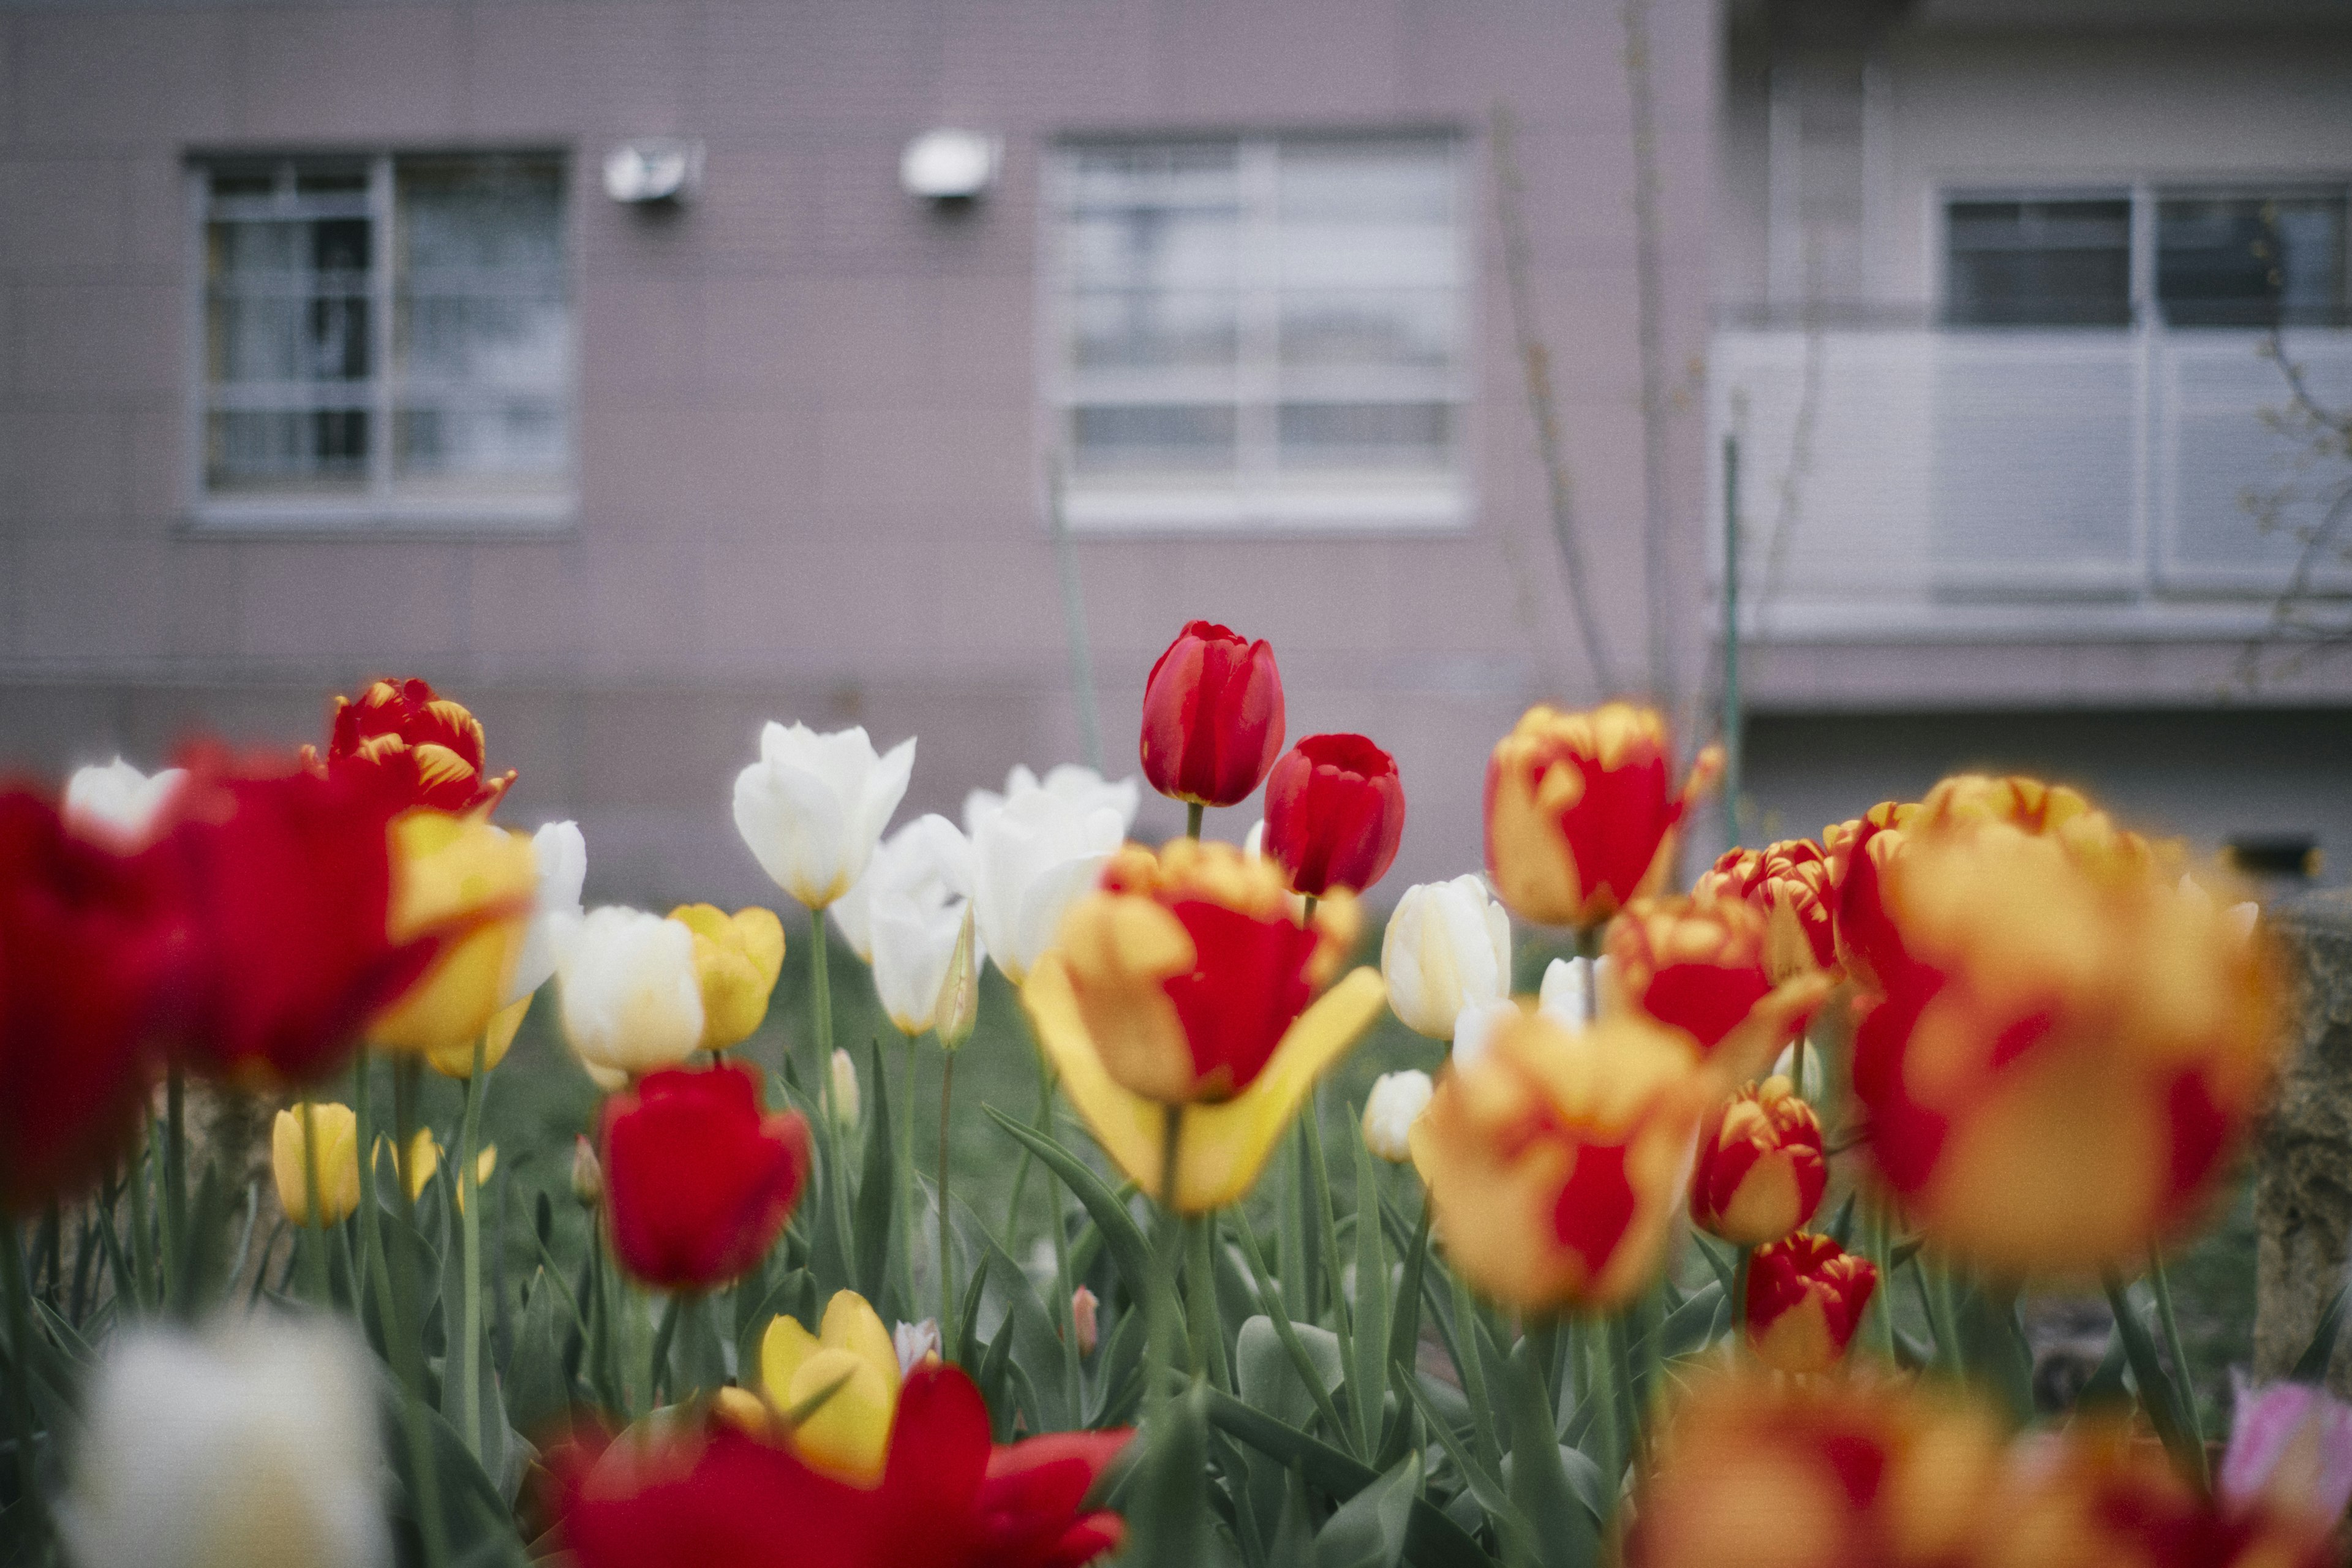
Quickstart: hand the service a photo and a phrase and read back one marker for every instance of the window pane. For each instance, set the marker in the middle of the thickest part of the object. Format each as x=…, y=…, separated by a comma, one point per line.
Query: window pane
x=1136, y=328
x=1386, y=435
x=1334, y=328
x=2039, y=263
x=2250, y=261
x=289, y=349
x=1153, y=438
x=258, y=451
x=1360, y=215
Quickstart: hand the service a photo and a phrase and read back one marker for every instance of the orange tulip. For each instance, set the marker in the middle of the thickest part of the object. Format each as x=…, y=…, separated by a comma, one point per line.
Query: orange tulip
x=1581, y=810
x=1789, y=884
x=1825, y=1473
x=1761, y=1170
x=1805, y=1299
x=2058, y=1064
x=1700, y=968
x=1554, y=1162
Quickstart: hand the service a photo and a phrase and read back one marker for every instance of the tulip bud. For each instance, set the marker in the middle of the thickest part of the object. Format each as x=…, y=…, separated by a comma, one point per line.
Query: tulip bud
x=1805, y=1299
x=336, y=1130
x=418, y=1162
x=842, y=1078
x=737, y=958
x=1761, y=1170
x=1397, y=1098
x=1083, y=1310
x=1212, y=716
x=587, y=1173
x=915, y=1343
x=958, y=1005
x=1447, y=947
x=1334, y=814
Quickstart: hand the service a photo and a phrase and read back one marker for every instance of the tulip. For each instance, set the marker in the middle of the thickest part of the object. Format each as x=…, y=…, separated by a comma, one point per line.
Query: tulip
x=429, y=748
x=1334, y=814
x=848, y=1435
x=119, y=806
x=1212, y=716
x=561, y=855
x=814, y=806
x=2058, y=1067
x=289, y=884
x=1079, y=787
x=906, y=915
x=1805, y=1299
x=1390, y=1110
x=697, y=1181
x=631, y=1001
x=1581, y=812
x=1188, y=970
x=455, y=1059
x=915, y=1343
x=2290, y=1448
x=2100, y=1497
x=736, y=959
x=1085, y=1309
x=1447, y=946
x=1700, y=968
x=256, y=1444
x=1761, y=1168
x=928, y=861
x=1822, y=1473
x=1475, y=1026
x=423, y=1161
x=338, y=1131
x=461, y=875
x=88, y=941
x=1180, y=982
x=1788, y=883
x=944, y=1496
x=1035, y=854
x=1554, y=1162
x=587, y=1173
x=957, y=1011
x=1571, y=991
x=845, y=1101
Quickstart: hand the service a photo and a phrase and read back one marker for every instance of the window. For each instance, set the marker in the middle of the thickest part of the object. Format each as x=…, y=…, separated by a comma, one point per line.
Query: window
x=1260, y=331
x=383, y=338
x=2182, y=256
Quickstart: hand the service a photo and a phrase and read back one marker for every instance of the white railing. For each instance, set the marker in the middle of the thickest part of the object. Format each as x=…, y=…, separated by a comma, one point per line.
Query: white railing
x=1918, y=481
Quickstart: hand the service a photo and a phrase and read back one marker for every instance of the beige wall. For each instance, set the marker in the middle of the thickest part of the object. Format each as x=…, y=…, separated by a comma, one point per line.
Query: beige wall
x=807, y=408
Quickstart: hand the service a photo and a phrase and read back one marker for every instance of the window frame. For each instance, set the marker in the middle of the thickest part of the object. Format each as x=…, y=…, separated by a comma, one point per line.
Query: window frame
x=380, y=508
x=1247, y=499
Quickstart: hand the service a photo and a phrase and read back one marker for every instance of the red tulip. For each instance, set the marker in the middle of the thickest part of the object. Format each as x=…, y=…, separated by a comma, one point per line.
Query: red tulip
x=698, y=1182
x=430, y=746
x=1212, y=716
x=87, y=945
x=947, y=1499
x=287, y=884
x=1761, y=1168
x=1805, y=1299
x=1334, y=814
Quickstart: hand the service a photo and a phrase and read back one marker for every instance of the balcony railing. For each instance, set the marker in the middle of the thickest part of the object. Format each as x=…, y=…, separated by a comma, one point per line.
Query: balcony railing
x=1916, y=482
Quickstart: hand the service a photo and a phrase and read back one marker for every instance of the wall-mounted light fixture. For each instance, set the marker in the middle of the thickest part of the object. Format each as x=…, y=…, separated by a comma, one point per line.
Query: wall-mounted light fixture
x=951, y=165
x=653, y=169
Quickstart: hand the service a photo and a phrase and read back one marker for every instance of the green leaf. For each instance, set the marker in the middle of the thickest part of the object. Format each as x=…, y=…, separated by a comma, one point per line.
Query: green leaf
x=1308, y=1368
x=698, y=1358
x=1369, y=1530
x=1369, y=1314
x=1167, y=1509
x=2311, y=1366
x=1691, y=1326
x=876, y=1219
x=1288, y=1377
x=1566, y=1529
x=1129, y=1253
x=1993, y=1348
x=2158, y=1395
x=538, y=1394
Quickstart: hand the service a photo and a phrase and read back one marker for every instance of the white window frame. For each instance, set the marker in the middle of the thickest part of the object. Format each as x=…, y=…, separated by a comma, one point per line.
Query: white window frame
x=380, y=507
x=1250, y=500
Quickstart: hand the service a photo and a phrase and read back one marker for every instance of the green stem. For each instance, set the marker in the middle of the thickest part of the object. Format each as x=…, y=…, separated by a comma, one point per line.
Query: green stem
x=1796, y=1064
x=20, y=1393
x=1474, y=1365
x=407, y=1363
x=469, y=1221
x=142, y=1244
x=1880, y=1314
x=1161, y=1323
x=658, y=1364
x=1193, y=811
x=1021, y=1167
x=1307, y=910
x=1201, y=1303
x=947, y=1349
x=903, y=1169
x=836, y=1168
x=2174, y=1349
x=407, y=1080
x=314, y=1254
x=174, y=1206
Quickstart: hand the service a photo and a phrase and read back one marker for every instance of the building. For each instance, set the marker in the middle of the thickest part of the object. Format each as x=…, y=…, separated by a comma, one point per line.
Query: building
x=337, y=339
x=324, y=351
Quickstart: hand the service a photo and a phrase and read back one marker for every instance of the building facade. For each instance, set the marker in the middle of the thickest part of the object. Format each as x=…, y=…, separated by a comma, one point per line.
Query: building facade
x=326, y=351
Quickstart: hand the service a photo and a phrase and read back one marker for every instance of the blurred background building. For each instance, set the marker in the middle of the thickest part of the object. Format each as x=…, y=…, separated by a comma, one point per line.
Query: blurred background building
x=639, y=370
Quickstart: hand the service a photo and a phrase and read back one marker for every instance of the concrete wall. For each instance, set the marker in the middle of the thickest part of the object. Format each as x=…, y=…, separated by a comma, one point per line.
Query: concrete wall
x=808, y=408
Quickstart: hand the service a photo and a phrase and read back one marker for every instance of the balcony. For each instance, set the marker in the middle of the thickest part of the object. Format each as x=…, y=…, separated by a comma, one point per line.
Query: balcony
x=1920, y=484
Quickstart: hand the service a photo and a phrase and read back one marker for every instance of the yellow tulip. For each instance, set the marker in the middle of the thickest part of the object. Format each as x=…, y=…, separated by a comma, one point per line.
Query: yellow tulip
x=456, y=1060
x=1224, y=1144
x=848, y=1434
x=339, y=1164
x=456, y=873
x=425, y=1159
x=737, y=958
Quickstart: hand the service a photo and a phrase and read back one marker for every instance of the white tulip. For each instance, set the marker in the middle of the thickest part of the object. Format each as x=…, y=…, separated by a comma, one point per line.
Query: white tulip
x=814, y=806
x=117, y=804
x=1035, y=855
x=1396, y=1100
x=255, y=1445
x=846, y=1101
x=1073, y=783
x=562, y=857
x=915, y=895
x=1474, y=1030
x=632, y=1002
x=926, y=853
x=1448, y=947
x=1569, y=989
x=913, y=1342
